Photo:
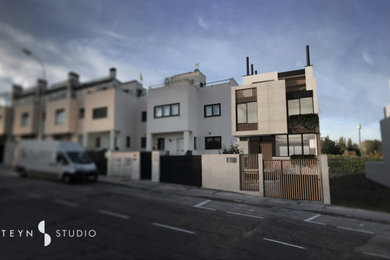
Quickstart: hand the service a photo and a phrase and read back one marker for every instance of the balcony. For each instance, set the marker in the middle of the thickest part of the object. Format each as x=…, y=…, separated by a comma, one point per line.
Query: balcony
x=300, y=124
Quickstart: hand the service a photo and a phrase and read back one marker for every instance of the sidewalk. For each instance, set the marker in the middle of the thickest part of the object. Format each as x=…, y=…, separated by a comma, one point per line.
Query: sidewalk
x=311, y=206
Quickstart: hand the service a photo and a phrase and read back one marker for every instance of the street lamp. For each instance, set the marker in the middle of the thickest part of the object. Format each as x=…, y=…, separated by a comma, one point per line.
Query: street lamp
x=359, y=126
x=36, y=58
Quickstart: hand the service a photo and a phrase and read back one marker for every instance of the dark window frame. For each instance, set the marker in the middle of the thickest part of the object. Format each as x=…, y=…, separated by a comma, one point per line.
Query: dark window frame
x=97, y=142
x=212, y=109
x=82, y=113
x=143, y=116
x=95, y=114
x=161, y=144
x=143, y=142
x=195, y=141
x=128, y=141
x=208, y=147
x=299, y=101
x=22, y=121
x=302, y=146
x=162, y=112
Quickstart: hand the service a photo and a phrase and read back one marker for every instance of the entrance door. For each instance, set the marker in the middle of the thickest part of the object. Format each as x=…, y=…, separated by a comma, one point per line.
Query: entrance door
x=180, y=146
x=266, y=151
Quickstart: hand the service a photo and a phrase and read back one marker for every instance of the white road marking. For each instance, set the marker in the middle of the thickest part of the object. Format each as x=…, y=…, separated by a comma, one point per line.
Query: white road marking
x=114, y=214
x=34, y=196
x=310, y=220
x=66, y=203
x=173, y=228
x=357, y=230
x=244, y=215
x=377, y=255
x=284, y=243
x=201, y=204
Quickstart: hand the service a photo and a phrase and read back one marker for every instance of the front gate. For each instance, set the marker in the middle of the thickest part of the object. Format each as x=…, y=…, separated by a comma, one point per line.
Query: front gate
x=293, y=179
x=146, y=165
x=181, y=169
x=249, y=172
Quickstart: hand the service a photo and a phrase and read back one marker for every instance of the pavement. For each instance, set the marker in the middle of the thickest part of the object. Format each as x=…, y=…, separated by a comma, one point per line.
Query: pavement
x=303, y=205
x=146, y=220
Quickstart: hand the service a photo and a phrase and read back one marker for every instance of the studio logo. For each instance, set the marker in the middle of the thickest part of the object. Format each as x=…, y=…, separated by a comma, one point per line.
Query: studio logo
x=46, y=237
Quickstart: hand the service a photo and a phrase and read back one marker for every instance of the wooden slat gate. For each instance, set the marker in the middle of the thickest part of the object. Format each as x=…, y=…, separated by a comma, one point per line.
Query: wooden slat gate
x=293, y=179
x=249, y=172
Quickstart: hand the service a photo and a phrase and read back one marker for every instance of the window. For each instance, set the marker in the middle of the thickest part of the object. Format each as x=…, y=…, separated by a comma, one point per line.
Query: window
x=194, y=142
x=25, y=119
x=247, y=113
x=61, y=159
x=212, y=110
x=167, y=110
x=281, y=145
x=213, y=142
x=128, y=141
x=300, y=106
x=100, y=112
x=309, y=144
x=143, y=142
x=59, y=117
x=97, y=142
x=295, y=144
x=81, y=113
x=143, y=116
x=1, y=119
x=160, y=144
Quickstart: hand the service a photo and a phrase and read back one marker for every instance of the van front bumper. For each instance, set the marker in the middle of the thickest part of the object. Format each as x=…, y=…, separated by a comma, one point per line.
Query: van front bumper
x=80, y=175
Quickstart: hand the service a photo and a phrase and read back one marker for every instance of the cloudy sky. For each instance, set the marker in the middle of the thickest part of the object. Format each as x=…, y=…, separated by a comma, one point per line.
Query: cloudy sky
x=349, y=43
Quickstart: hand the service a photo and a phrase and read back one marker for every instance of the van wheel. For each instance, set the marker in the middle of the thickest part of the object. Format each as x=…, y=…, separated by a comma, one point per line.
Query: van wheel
x=95, y=178
x=66, y=178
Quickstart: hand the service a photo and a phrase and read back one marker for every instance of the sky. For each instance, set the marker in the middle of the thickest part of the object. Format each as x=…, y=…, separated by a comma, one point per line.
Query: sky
x=349, y=46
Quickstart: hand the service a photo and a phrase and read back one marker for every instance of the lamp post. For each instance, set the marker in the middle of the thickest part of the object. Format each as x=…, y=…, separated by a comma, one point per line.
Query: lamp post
x=37, y=59
x=359, y=126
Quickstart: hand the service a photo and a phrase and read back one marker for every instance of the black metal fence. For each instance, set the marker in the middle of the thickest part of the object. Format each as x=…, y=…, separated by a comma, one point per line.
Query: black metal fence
x=99, y=158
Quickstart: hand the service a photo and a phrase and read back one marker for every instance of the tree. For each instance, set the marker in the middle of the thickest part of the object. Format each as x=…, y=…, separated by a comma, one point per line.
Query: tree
x=372, y=147
x=233, y=149
x=329, y=146
x=342, y=144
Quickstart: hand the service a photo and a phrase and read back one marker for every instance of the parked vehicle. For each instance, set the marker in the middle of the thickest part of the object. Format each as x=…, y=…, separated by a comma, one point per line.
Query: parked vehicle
x=62, y=160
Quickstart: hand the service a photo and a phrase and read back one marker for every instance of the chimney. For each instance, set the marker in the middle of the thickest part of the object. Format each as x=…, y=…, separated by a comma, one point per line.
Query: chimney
x=251, y=69
x=247, y=65
x=73, y=78
x=307, y=56
x=112, y=72
x=16, y=90
x=41, y=86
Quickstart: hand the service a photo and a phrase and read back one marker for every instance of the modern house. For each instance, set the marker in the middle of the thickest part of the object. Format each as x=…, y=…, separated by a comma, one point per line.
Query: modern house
x=100, y=114
x=380, y=171
x=276, y=113
x=188, y=114
x=5, y=128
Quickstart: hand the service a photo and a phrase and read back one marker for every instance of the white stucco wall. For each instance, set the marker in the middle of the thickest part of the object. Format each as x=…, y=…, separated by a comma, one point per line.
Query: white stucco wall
x=123, y=164
x=311, y=84
x=221, y=173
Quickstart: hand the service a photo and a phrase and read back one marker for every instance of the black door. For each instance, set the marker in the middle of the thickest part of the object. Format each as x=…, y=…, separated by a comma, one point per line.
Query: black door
x=146, y=165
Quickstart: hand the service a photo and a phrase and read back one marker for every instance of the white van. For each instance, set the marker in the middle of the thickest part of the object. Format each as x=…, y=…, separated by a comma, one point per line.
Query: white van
x=62, y=160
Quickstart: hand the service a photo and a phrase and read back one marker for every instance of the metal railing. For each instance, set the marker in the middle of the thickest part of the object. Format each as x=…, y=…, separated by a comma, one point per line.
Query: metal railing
x=293, y=179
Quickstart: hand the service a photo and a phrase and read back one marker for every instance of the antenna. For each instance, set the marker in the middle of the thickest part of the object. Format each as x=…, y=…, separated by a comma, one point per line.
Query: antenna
x=196, y=65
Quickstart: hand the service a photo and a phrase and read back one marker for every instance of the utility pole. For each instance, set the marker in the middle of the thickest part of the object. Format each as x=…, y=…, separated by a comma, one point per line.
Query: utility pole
x=359, y=126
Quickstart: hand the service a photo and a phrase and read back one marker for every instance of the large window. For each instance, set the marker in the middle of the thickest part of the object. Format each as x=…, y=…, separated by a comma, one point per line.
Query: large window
x=298, y=144
x=161, y=144
x=247, y=113
x=81, y=113
x=59, y=117
x=100, y=112
x=25, y=119
x=167, y=110
x=213, y=143
x=300, y=106
x=212, y=110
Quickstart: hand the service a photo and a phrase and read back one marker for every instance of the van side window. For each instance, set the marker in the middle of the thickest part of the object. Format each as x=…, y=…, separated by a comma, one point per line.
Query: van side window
x=61, y=159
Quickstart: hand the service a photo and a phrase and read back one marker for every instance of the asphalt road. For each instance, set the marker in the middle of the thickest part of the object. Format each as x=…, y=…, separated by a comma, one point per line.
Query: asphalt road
x=125, y=223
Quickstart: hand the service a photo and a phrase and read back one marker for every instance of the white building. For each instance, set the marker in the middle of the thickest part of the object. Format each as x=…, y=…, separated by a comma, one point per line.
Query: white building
x=188, y=114
x=269, y=111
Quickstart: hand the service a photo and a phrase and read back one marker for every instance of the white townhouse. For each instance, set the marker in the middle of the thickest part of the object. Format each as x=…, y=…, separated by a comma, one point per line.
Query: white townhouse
x=188, y=114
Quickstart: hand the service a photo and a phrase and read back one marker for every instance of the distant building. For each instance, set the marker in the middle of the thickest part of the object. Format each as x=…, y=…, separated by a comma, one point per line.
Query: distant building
x=276, y=113
x=6, y=147
x=188, y=114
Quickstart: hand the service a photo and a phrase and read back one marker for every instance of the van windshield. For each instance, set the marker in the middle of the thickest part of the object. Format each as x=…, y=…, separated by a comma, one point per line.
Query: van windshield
x=79, y=157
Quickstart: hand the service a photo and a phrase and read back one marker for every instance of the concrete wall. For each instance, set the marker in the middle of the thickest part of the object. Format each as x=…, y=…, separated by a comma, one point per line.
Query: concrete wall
x=325, y=178
x=71, y=115
x=219, y=171
x=385, y=134
x=6, y=120
x=271, y=108
x=378, y=172
x=311, y=84
x=123, y=164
